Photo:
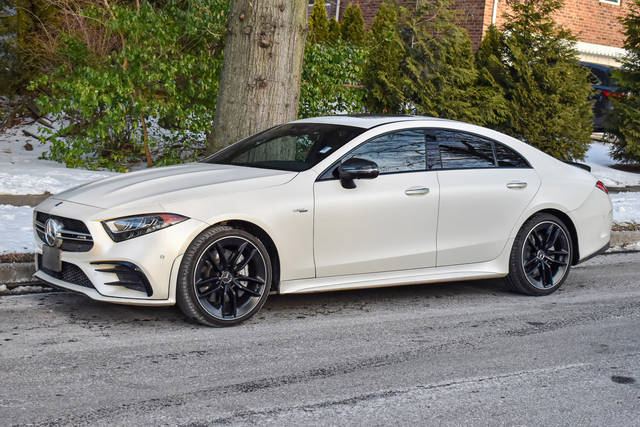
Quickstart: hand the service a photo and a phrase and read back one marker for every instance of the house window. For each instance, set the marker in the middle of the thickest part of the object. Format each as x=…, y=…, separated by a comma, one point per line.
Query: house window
x=615, y=2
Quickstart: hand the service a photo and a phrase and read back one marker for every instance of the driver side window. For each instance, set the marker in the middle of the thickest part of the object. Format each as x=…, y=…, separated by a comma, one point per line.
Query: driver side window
x=402, y=151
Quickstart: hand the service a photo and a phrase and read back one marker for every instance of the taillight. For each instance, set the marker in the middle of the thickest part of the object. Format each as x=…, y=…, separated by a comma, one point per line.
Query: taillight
x=608, y=94
x=601, y=186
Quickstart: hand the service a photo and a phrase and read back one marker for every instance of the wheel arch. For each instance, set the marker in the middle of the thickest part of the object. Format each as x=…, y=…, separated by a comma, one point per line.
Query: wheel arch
x=568, y=222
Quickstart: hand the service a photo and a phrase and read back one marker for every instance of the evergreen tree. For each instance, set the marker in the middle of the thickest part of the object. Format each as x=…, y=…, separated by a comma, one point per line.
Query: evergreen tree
x=334, y=31
x=623, y=129
x=440, y=65
x=488, y=57
x=318, y=24
x=535, y=64
x=382, y=77
x=353, y=29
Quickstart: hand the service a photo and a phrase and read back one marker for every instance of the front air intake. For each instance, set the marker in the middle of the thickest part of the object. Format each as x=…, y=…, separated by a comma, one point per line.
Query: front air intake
x=129, y=275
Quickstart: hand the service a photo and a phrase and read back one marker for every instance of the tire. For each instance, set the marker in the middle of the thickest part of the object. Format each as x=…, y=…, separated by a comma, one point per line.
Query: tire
x=224, y=278
x=541, y=256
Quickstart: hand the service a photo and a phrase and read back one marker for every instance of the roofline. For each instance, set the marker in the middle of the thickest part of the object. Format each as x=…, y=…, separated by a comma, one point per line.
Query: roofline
x=390, y=119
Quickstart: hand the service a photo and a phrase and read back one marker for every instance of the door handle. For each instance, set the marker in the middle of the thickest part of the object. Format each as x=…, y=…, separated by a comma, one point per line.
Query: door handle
x=516, y=185
x=415, y=191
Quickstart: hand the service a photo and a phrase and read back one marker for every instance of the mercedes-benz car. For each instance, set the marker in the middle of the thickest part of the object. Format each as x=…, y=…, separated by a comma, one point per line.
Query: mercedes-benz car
x=325, y=204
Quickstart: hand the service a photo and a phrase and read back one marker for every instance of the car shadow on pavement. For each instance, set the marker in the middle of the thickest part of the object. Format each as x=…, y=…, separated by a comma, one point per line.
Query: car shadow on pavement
x=85, y=311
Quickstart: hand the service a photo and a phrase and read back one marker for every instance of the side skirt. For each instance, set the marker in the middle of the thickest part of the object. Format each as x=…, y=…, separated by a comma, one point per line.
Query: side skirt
x=452, y=273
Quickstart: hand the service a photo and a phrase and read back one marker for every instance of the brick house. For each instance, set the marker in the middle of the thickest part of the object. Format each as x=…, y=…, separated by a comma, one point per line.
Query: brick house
x=594, y=22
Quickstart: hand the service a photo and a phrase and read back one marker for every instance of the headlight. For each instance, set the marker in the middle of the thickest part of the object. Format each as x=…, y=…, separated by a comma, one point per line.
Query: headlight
x=128, y=227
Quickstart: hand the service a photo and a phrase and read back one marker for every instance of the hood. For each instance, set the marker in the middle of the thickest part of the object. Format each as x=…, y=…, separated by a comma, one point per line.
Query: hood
x=152, y=185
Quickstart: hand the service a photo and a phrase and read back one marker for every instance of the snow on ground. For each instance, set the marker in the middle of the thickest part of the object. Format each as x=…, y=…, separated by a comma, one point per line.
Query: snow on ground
x=626, y=207
x=16, y=229
x=600, y=161
x=23, y=172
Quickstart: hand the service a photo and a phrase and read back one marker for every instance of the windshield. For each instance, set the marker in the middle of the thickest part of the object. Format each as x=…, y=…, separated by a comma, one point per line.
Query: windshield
x=293, y=147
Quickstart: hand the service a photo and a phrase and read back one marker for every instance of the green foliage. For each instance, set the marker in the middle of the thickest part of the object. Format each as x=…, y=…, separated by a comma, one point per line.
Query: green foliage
x=421, y=62
x=23, y=27
x=166, y=66
x=439, y=63
x=331, y=77
x=334, y=31
x=318, y=24
x=382, y=76
x=535, y=68
x=623, y=129
x=352, y=28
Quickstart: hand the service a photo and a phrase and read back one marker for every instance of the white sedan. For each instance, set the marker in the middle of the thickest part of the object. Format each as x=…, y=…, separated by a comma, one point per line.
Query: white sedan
x=325, y=204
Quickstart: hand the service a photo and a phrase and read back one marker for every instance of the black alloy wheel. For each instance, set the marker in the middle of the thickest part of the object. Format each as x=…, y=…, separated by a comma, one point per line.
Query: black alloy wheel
x=225, y=277
x=541, y=256
x=545, y=255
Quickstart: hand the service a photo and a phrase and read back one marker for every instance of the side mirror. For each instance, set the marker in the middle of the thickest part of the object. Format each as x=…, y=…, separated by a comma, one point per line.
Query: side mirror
x=355, y=168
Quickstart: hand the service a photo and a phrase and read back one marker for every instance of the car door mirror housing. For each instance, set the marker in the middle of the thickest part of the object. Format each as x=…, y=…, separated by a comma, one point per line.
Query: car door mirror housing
x=356, y=168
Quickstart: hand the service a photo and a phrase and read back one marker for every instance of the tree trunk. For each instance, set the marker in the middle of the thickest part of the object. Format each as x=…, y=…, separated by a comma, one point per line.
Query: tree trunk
x=260, y=81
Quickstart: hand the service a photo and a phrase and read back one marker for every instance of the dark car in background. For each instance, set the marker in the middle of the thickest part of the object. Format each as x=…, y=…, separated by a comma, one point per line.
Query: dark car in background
x=605, y=87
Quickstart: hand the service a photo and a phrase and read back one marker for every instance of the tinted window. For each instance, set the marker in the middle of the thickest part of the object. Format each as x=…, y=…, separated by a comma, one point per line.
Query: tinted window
x=402, y=151
x=293, y=147
x=507, y=158
x=433, y=151
x=462, y=150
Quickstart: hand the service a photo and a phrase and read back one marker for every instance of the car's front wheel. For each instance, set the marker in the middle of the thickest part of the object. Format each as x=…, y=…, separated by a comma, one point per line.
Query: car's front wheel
x=541, y=256
x=224, y=277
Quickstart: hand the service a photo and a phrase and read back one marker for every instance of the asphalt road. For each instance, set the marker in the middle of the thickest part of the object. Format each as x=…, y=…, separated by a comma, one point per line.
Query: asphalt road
x=454, y=354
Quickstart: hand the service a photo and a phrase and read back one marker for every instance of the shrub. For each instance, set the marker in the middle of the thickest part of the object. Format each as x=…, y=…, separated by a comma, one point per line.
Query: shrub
x=623, y=128
x=439, y=63
x=352, y=27
x=23, y=27
x=334, y=31
x=534, y=65
x=318, y=24
x=331, y=78
x=382, y=77
x=165, y=65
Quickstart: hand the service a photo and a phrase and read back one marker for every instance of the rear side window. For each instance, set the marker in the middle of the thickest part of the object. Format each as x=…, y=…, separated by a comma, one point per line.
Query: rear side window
x=507, y=158
x=459, y=150
x=449, y=149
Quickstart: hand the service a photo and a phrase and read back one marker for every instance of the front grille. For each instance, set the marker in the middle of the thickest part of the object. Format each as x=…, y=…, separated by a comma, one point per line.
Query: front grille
x=75, y=234
x=70, y=273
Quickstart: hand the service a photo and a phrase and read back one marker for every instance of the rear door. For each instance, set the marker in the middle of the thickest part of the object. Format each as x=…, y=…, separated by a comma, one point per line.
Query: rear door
x=484, y=188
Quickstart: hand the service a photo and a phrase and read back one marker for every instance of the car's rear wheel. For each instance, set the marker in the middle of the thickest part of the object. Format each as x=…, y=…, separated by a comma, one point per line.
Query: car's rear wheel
x=541, y=256
x=224, y=278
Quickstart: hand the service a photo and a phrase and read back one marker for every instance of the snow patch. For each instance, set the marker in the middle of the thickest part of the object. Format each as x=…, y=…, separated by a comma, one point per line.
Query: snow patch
x=600, y=160
x=626, y=207
x=23, y=172
x=16, y=229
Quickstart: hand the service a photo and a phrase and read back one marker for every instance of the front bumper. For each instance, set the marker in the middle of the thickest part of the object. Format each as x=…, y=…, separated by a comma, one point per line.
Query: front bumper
x=155, y=257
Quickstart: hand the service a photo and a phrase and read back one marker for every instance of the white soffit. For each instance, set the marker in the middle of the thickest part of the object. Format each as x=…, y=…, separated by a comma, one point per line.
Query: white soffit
x=599, y=53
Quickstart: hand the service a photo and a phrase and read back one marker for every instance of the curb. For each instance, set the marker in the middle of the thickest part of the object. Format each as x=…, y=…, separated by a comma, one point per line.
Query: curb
x=13, y=274
x=17, y=274
x=624, y=238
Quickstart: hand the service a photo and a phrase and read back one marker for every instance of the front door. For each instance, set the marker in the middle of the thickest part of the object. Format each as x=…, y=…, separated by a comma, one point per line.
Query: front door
x=387, y=223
